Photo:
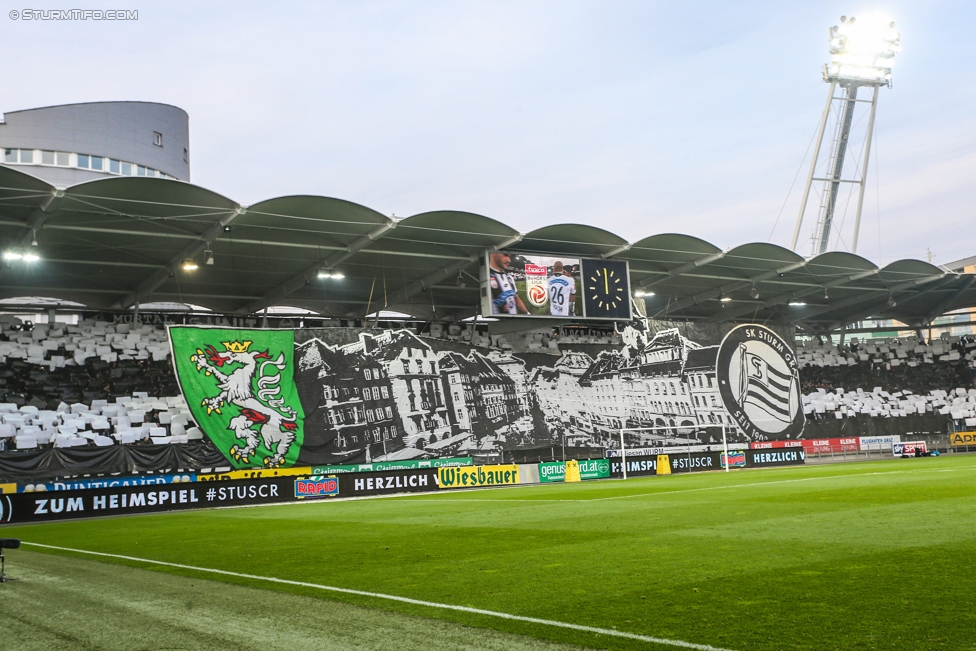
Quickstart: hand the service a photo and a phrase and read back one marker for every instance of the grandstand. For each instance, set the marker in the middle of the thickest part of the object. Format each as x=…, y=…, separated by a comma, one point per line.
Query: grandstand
x=89, y=384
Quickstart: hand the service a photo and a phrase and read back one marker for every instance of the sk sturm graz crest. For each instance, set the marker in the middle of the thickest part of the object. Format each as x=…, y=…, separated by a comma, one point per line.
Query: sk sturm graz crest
x=759, y=381
x=239, y=385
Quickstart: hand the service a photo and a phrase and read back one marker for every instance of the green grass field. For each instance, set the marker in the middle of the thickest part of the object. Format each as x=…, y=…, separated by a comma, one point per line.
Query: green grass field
x=875, y=555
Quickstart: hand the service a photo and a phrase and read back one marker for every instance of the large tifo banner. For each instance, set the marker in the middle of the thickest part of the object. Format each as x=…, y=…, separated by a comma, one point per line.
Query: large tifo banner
x=332, y=396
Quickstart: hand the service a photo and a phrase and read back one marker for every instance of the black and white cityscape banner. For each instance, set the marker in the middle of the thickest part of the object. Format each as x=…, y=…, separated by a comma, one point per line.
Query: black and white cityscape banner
x=355, y=395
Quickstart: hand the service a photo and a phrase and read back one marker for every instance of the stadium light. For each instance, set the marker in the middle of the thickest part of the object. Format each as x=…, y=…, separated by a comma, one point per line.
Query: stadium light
x=725, y=299
x=641, y=293
x=796, y=303
x=25, y=256
x=190, y=265
x=335, y=275
x=863, y=49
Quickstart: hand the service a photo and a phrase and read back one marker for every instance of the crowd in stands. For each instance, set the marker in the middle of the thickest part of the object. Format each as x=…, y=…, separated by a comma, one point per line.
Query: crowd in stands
x=100, y=384
x=88, y=384
x=889, y=378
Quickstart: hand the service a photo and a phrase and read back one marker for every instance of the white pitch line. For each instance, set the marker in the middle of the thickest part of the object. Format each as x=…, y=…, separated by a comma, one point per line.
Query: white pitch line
x=440, y=498
x=406, y=600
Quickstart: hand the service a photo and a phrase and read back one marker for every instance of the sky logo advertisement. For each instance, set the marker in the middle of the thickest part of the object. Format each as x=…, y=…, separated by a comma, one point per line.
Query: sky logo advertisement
x=908, y=447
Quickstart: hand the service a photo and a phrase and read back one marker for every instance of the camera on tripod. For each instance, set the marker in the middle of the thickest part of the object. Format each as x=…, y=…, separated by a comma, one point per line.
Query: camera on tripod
x=6, y=543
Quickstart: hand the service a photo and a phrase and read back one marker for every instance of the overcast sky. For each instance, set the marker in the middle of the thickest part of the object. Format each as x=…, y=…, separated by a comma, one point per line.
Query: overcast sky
x=638, y=117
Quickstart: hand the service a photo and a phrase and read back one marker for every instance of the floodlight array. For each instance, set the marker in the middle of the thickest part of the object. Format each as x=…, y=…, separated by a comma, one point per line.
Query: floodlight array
x=862, y=50
x=25, y=256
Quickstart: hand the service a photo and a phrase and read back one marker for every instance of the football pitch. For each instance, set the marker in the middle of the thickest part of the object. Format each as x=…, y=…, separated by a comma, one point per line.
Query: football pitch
x=872, y=555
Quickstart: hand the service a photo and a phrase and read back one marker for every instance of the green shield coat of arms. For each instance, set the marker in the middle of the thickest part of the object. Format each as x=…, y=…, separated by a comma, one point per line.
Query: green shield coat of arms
x=240, y=387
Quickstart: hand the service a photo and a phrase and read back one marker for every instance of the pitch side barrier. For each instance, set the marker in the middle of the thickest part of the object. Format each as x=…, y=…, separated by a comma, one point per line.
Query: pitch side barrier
x=19, y=508
x=193, y=476
x=667, y=464
x=123, y=499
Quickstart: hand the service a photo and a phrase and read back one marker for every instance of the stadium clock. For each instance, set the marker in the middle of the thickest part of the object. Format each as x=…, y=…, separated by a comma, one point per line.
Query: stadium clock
x=606, y=289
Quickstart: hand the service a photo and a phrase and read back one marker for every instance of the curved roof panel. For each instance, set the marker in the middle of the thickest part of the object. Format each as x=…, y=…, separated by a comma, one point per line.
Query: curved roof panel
x=121, y=241
x=578, y=239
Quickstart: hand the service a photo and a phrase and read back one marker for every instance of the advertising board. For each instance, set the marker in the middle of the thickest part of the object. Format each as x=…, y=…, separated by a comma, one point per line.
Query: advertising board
x=257, y=473
x=962, y=438
x=636, y=466
x=557, y=471
x=552, y=471
x=666, y=464
x=877, y=442
x=908, y=448
x=675, y=449
x=787, y=457
x=122, y=500
x=388, y=482
x=847, y=444
x=594, y=469
x=381, y=466
x=316, y=486
x=696, y=462
x=736, y=459
x=109, y=482
x=474, y=476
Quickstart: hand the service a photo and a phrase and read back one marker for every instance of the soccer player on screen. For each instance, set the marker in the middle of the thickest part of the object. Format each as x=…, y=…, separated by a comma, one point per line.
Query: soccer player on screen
x=562, y=291
x=504, y=295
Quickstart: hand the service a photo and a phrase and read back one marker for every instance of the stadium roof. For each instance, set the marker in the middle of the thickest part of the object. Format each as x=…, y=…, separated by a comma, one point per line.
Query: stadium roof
x=119, y=242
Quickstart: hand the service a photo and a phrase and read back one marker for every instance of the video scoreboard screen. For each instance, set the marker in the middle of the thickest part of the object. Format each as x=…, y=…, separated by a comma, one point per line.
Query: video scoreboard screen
x=554, y=286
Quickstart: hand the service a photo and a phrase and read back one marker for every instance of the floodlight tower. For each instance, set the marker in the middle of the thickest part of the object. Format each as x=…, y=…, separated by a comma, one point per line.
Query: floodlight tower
x=861, y=54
